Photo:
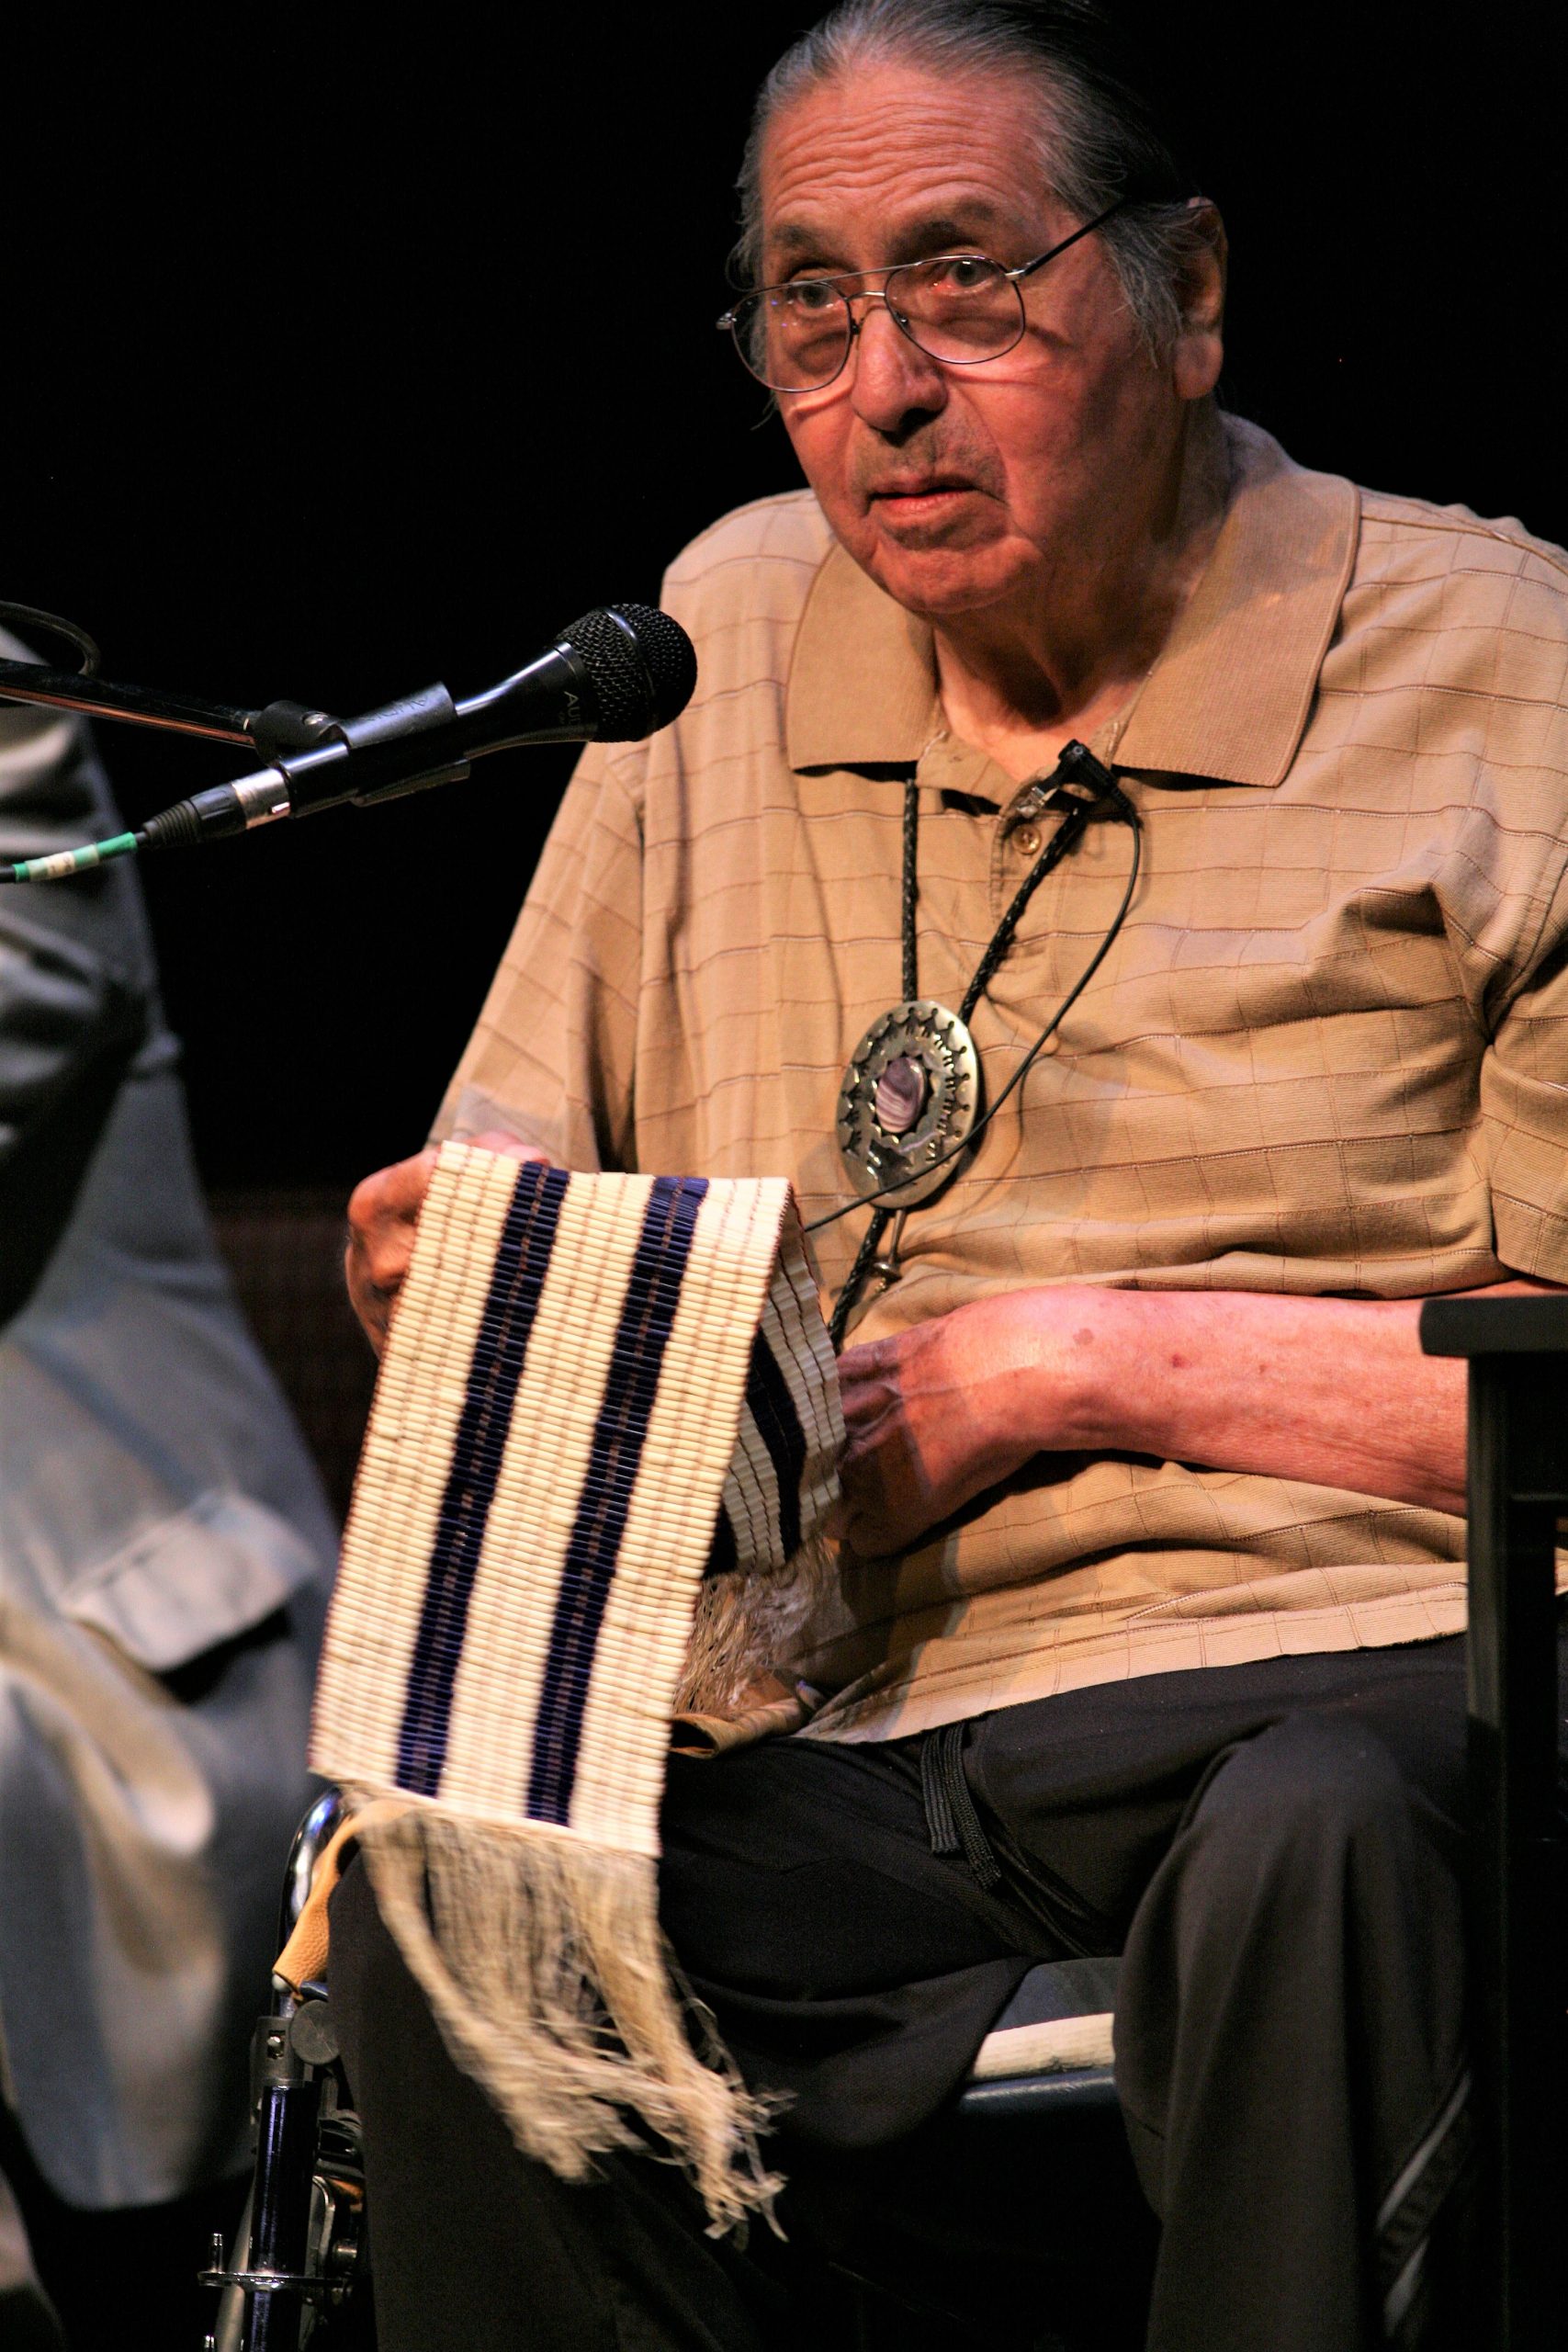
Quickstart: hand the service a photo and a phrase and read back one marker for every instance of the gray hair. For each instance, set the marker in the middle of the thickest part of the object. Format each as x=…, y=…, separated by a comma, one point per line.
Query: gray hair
x=1098, y=137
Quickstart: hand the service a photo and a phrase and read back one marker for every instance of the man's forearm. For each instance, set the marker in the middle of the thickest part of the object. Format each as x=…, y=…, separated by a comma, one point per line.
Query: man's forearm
x=1333, y=1391
x=1329, y=1391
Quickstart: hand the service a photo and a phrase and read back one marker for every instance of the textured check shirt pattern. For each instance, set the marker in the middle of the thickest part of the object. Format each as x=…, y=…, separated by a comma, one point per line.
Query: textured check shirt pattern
x=1326, y=1055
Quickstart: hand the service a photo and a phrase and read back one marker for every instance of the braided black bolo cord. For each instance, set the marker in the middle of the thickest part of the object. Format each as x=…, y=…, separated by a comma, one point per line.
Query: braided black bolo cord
x=1056, y=847
x=844, y=1306
x=911, y=887
x=1113, y=803
x=881, y=1218
x=1065, y=838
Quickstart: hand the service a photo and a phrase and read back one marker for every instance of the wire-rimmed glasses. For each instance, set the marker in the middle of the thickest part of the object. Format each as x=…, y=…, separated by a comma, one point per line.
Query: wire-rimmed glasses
x=958, y=308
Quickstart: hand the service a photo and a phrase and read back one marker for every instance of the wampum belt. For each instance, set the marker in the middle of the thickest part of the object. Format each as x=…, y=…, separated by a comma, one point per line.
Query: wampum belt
x=607, y=1413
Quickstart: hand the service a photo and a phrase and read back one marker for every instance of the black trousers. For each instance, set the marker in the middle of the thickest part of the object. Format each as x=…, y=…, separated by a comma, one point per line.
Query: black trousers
x=1276, y=1848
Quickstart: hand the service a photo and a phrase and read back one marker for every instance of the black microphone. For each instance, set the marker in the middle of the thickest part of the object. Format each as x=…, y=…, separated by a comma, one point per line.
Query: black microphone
x=617, y=675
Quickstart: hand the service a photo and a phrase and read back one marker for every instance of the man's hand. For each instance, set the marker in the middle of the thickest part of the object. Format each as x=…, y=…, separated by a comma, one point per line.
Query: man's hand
x=937, y=1414
x=383, y=1216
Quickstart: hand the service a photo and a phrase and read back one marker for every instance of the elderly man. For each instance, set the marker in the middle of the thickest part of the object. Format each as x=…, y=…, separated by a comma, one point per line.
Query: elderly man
x=1152, y=1566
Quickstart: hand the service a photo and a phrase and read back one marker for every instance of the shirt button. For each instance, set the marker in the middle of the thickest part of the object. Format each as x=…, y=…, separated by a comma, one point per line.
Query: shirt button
x=1026, y=841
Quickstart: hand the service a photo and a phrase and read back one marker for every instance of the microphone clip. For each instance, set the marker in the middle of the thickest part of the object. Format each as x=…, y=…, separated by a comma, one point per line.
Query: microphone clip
x=311, y=788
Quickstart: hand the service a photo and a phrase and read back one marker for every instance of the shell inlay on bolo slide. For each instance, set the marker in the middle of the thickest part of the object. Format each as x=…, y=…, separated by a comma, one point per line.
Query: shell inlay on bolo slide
x=900, y=1095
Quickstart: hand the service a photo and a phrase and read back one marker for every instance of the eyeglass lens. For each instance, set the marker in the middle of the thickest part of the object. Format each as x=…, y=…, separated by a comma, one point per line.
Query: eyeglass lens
x=957, y=308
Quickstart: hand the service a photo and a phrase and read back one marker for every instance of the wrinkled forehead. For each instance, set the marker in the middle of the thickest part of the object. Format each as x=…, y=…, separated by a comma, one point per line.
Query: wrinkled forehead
x=883, y=161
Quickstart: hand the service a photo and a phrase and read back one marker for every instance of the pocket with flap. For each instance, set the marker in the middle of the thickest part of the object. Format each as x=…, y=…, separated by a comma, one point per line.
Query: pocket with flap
x=182, y=1584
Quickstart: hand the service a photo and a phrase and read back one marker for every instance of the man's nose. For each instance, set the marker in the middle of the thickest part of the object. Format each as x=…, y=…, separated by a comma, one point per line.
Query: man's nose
x=894, y=377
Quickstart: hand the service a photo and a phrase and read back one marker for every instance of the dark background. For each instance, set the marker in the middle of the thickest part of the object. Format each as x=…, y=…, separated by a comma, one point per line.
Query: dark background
x=341, y=359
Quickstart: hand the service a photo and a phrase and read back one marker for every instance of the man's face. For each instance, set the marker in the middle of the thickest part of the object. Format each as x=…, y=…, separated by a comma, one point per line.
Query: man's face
x=961, y=488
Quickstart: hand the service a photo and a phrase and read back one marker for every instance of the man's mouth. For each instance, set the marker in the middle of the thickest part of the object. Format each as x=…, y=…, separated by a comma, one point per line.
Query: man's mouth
x=913, y=487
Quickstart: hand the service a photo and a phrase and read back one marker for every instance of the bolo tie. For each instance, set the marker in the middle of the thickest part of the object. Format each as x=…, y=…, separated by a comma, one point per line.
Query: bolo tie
x=909, y=1111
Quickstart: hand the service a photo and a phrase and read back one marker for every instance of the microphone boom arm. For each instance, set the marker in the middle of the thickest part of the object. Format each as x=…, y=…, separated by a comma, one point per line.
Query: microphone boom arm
x=276, y=731
x=144, y=706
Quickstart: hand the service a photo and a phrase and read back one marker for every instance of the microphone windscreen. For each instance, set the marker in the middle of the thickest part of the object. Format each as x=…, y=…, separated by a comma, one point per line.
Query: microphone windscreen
x=641, y=665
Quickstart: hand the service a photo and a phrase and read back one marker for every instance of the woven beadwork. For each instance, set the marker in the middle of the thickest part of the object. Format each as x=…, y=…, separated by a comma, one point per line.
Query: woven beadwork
x=597, y=1391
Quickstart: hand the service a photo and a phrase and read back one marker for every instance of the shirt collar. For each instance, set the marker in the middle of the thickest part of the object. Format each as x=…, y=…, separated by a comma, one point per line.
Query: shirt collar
x=1228, y=698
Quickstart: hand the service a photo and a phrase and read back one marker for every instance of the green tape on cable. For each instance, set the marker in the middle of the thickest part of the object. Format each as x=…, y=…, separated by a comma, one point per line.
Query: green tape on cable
x=66, y=862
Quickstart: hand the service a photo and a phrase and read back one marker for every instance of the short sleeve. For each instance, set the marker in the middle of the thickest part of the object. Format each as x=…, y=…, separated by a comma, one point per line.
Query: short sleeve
x=1524, y=1109
x=552, y=1059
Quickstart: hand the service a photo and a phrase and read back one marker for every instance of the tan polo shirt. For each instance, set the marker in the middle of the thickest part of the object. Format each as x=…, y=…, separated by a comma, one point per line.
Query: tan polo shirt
x=1325, y=1055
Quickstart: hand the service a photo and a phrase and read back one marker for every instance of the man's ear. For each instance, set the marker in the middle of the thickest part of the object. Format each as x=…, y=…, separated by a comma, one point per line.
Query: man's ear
x=1200, y=347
